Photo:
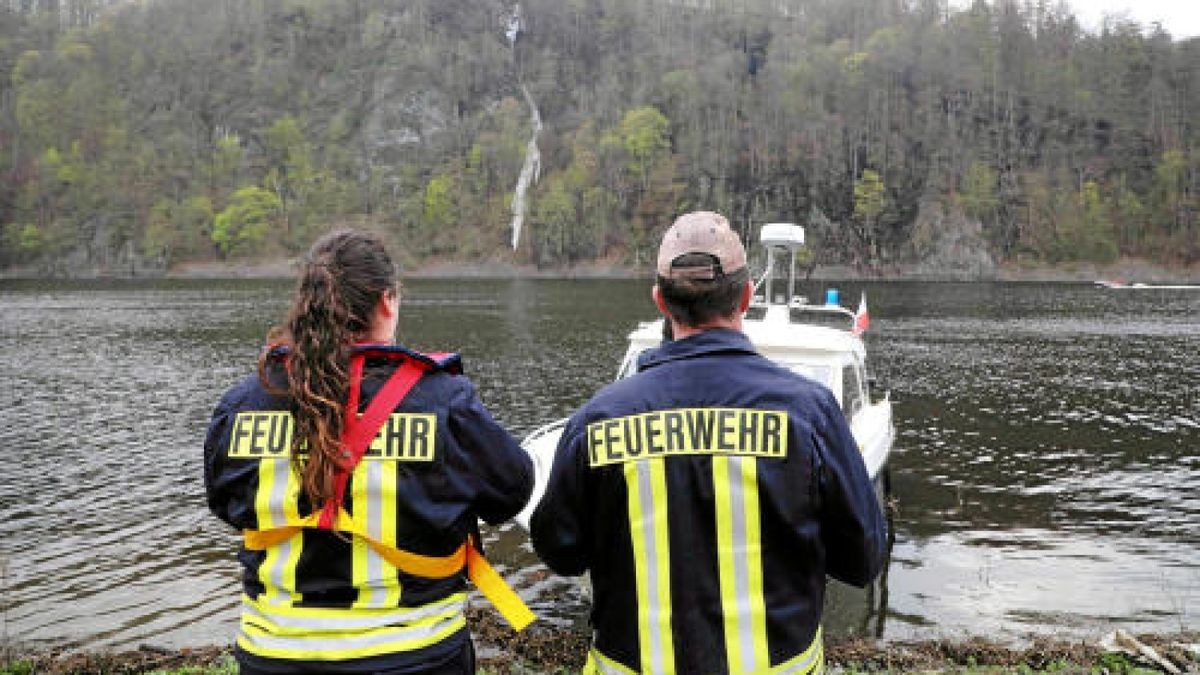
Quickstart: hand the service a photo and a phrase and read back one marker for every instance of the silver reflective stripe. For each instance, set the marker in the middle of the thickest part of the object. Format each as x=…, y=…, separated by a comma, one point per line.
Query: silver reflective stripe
x=741, y=570
x=649, y=542
x=374, y=475
x=339, y=642
x=334, y=620
x=282, y=471
x=279, y=591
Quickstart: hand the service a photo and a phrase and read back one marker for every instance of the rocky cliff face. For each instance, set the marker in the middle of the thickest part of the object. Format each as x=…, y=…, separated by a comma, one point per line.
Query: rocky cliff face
x=949, y=245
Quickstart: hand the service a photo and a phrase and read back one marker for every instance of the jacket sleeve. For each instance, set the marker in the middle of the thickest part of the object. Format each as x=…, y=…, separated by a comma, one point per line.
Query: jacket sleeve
x=853, y=528
x=501, y=472
x=558, y=526
x=226, y=483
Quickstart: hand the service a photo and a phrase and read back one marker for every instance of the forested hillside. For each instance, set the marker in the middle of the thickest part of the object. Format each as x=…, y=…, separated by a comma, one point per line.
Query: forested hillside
x=142, y=135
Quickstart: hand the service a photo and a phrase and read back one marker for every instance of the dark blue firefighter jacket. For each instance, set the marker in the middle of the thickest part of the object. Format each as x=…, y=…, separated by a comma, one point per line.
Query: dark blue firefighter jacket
x=709, y=496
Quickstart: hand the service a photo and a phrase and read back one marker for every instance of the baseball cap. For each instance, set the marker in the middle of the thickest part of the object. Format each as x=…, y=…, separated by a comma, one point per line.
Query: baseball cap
x=701, y=232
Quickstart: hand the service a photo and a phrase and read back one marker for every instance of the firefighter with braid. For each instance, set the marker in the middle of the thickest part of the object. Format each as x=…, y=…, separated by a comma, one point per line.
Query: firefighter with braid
x=357, y=471
x=709, y=494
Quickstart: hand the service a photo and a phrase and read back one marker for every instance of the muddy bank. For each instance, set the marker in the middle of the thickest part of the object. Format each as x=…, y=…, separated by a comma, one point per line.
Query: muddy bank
x=551, y=649
x=1129, y=270
x=286, y=269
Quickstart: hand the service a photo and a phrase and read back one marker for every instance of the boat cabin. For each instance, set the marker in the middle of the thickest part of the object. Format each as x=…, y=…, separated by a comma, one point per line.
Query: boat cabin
x=828, y=355
x=816, y=341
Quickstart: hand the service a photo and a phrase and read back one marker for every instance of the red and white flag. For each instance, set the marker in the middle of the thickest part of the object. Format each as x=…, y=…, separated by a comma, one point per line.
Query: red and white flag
x=861, y=319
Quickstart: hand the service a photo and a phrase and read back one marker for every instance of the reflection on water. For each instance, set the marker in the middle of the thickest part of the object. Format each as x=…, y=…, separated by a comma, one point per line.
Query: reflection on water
x=1047, y=472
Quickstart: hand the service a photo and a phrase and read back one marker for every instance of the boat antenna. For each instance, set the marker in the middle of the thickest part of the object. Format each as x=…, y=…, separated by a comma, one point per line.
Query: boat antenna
x=766, y=271
x=779, y=237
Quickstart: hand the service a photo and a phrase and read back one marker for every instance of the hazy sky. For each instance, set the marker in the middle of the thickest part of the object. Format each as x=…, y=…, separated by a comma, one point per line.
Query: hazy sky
x=1180, y=18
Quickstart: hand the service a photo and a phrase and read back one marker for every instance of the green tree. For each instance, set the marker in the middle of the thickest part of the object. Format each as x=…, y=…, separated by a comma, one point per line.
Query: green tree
x=242, y=227
x=438, y=214
x=36, y=114
x=290, y=174
x=1131, y=220
x=868, y=204
x=1098, y=237
x=225, y=165
x=555, y=221
x=1170, y=189
x=978, y=192
x=30, y=241
x=645, y=135
x=178, y=230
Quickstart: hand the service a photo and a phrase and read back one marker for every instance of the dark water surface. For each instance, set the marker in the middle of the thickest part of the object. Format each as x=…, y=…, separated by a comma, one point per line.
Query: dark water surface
x=1046, y=475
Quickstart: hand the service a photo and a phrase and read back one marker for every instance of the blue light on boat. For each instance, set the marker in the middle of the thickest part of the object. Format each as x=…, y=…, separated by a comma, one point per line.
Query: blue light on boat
x=832, y=297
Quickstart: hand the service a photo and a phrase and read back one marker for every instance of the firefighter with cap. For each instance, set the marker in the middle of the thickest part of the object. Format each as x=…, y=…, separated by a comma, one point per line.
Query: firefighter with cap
x=711, y=493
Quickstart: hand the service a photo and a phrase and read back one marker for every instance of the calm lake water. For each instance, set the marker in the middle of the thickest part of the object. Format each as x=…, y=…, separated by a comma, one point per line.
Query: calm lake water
x=1046, y=476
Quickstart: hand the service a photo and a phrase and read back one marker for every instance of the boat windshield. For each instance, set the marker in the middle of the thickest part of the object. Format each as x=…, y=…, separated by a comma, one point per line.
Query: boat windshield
x=820, y=372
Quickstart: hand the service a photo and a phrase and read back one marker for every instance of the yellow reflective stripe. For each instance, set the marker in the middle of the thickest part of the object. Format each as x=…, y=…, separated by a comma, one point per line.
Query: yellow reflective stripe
x=646, y=485
x=811, y=660
x=338, y=645
x=739, y=561
x=276, y=504
x=284, y=620
x=373, y=488
x=599, y=664
x=360, y=550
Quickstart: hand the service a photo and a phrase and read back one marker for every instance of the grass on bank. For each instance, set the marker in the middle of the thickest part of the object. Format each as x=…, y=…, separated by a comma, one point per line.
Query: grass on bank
x=224, y=664
x=558, y=650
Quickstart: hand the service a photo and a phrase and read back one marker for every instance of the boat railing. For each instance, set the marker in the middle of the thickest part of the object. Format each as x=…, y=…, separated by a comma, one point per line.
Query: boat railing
x=544, y=430
x=799, y=304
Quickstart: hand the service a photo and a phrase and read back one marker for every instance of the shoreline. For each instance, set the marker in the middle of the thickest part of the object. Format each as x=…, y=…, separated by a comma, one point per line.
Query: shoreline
x=1129, y=270
x=502, y=650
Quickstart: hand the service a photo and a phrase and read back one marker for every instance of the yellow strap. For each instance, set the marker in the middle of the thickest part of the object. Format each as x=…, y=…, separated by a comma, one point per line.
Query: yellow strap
x=261, y=540
x=497, y=591
x=429, y=567
x=486, y=579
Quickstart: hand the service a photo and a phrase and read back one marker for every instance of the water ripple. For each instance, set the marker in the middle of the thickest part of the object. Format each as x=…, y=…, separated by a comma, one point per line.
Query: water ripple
x=1044, y=431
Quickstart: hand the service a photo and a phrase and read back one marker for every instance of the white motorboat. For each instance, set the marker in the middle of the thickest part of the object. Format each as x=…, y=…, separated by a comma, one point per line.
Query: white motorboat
x=1104, y=283
x=820, y=341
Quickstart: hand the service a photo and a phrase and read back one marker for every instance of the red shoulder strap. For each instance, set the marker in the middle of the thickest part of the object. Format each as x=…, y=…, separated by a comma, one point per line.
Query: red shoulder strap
x=358, y=432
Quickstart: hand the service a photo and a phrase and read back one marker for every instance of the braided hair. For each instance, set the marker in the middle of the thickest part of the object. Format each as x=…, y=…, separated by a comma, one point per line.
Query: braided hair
x=342, y=279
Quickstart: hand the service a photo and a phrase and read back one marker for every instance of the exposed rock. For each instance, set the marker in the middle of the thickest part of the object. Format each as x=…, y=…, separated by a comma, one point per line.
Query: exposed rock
x=949, y=245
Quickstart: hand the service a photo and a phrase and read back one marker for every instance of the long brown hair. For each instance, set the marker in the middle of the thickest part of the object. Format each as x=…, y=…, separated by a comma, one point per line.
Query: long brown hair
x=342, y=278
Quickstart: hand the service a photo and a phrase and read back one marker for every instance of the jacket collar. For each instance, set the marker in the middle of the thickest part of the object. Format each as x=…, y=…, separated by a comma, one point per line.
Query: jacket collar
x=451, y=361
x=712, y=341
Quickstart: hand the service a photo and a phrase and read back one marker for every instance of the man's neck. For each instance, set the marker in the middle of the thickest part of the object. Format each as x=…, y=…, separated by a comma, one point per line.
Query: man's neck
x=680, y=331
